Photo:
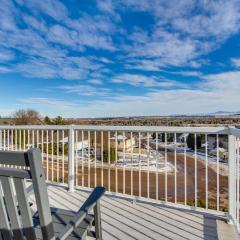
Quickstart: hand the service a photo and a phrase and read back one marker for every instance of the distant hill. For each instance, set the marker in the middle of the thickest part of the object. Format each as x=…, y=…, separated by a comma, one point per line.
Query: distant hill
x=225, y=113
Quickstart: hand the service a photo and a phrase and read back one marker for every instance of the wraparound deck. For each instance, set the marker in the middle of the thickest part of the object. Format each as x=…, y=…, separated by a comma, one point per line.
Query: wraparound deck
x=124, y=220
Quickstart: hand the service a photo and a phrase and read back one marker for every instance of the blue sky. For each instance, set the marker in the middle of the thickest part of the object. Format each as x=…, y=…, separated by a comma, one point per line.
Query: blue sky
x=119, y=58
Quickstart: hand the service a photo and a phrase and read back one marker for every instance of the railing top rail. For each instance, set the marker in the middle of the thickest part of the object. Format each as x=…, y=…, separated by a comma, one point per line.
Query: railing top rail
x=209, y=130
x=36, y=127
x=234, y=131
x=223, y=130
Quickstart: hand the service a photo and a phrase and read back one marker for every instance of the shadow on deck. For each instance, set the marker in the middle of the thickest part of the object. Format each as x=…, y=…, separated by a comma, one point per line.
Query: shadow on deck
x=123, y=220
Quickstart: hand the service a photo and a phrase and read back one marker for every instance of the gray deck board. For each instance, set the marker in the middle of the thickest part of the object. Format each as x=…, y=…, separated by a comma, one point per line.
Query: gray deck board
x=123, y=220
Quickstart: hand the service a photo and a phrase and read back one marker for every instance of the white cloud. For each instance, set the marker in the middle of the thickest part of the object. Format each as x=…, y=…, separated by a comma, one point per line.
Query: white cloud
x=215, y=89
x=7, y=21
x=4, y=69
x=178, y=35
x=134, y=79
x=63, y=68
x=85, y=90
x=187, y=73
x=36, y=24
x=62, y=35
x=52, y=8
x=49, y=46
x=104, y=60
x=183, y=31
x=6, y=55
x=146, y=81
x=53, y=102
x=95, y=81
x=224, y=83
x=93, y=31
x=235, y=62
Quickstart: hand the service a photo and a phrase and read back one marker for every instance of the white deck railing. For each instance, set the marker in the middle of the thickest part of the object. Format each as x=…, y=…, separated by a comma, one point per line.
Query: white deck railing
x=143, y=163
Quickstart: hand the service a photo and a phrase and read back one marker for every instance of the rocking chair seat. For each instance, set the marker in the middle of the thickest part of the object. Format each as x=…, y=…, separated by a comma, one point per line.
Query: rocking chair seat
x=60, y=219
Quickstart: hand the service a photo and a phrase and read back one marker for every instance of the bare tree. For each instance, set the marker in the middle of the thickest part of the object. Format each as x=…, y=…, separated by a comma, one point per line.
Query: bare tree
x=27, y=117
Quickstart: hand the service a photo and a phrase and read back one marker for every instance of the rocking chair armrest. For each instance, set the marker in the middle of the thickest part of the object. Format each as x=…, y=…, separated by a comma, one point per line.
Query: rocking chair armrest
x=90, y=203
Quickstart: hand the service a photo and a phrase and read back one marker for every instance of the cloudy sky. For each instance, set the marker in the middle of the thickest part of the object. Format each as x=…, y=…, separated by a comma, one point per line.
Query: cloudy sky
x=119, y=58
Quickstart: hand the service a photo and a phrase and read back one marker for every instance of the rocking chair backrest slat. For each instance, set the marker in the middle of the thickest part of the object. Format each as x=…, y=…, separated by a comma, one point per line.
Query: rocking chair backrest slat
x=24, y=208
x=15, y=173
x=11, y=206
x=15, y=158
x=4, y=224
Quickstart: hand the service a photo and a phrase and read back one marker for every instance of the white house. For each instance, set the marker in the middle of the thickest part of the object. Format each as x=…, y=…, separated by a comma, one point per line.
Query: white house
x=182, y=137
x=121, y=140
x=78, y=145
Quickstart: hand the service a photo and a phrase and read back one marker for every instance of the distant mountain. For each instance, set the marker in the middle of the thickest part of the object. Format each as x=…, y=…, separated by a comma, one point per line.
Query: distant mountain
x=225, y=113
x=218, y=113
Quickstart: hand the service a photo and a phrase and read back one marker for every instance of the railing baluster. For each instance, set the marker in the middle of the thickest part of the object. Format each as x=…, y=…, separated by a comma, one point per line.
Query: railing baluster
x=124, y=164
x=71, y=147
x=185, y=169
x=16, y=140
x=42, y=143
x=175, y=168
x=57, y=142
x=148, y=156
x=95, y=158
x=76, y=157
x=47, y=157
x=20, y=140
x=109, y=159
x=218, y=173
x=157, y=164
x=195, y=170
x=131, y=136
x=237, y=170
x=139, y=165
x=52, y=149
x=4, y=139
x=28, y=138
x=33, y=138
x=116, y=160
x=101, y=158
x=83, y=150
x=63, y=164
x=165, y=164
x=8, y=145
x=206, y=170
x=37, y=138
x=89, y=170
x=12, y=143
x=232, y=178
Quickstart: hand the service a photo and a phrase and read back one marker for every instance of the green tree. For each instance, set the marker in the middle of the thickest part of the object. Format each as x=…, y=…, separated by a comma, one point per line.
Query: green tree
x=54, y=148
x=59, y=121
x=170, y=137
x=191, y=141
x=47, y=120
x=154, y=135
x=106, y=154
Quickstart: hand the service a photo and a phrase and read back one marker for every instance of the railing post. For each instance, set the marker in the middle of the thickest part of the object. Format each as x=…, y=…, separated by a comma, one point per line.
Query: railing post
x=71, y=175
x=232, y=179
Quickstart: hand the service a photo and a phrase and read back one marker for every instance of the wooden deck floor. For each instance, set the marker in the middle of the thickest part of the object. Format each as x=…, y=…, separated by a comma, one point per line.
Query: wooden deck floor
x=123, y=220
